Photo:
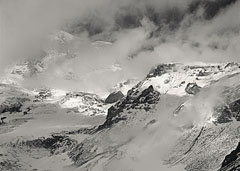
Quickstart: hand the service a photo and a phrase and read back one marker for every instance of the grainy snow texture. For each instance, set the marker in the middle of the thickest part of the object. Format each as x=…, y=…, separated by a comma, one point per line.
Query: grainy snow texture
x=119, y=85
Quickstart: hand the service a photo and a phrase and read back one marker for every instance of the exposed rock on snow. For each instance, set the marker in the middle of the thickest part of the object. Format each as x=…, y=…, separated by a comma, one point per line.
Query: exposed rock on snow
x=117, y=138
x=42, y=94
x=173, y=78
x=12, y=104
x=135, y=100
x=55, y=144
x=219, y=104
x=85, y=103
x=19, y=153
x=232, y=160
x=229, y=111
x=161, y=69
x=202, y=134
x=192, y=88
x=114, y=97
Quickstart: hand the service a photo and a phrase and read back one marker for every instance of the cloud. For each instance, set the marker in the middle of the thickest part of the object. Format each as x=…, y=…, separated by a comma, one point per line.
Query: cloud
x=144, y=33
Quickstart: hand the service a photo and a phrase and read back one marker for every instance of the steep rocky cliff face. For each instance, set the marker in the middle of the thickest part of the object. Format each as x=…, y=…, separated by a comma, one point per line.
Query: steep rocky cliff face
x=135, y=100
x=206, y=123
x=128, y=111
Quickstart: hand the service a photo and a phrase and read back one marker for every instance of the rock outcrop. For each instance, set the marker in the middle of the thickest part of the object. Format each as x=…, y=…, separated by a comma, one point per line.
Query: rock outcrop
x=161, y=69
x=192, y=88
x=114, y=97
x=12, y=104
x=92, y=149
x=228, y=112
x=232, y=160
x=43, y=93
x=55, y=144
x=135, y=100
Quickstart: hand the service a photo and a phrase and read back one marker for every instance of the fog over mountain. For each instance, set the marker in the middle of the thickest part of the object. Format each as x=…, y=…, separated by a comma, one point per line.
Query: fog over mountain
x=119, y=85
x=143, y=33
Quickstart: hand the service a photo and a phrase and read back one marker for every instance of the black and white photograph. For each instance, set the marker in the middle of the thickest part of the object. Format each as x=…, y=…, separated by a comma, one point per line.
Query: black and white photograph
x=119, y=85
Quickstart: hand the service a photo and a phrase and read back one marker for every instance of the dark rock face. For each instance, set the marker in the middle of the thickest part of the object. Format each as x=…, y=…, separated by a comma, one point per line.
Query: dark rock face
x=225, y=115
x=134, y=100
x=235, y=109
x=114, y=97
x=88, y=150
x=12, y=104
x=231, y=161
x=55, y=144
x=228, y=112
x=192, y=88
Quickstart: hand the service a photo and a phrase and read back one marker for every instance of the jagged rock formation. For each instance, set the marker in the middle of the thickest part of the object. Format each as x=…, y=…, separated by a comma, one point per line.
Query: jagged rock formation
x=88, y=150
x=189, y=150
x=135, y=100
x=114, y=97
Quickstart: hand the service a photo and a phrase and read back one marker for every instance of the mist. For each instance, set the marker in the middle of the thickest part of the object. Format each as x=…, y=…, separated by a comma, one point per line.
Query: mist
x=143, y=34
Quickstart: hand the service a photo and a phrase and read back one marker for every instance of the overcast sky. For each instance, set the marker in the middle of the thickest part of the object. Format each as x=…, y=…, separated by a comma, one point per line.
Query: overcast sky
x=144, y=33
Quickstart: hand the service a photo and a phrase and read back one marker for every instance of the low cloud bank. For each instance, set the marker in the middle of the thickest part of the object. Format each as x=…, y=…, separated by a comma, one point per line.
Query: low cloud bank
x=143, y=33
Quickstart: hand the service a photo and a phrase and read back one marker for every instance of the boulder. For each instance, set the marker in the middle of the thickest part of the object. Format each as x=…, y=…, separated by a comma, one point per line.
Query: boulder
x=3, y=118
x=114, y=97
x=192, y=88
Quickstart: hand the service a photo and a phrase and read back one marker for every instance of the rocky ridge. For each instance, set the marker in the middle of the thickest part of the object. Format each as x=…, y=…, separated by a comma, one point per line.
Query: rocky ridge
x=213, y=125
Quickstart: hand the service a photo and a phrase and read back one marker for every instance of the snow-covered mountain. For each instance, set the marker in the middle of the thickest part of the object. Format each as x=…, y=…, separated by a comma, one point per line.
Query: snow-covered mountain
x=204, y=126
x=129, y=85
x=185, y=115
x=172, y=115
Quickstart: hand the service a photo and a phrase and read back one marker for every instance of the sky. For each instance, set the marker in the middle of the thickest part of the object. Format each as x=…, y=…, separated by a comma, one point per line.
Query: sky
x=143, y=33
